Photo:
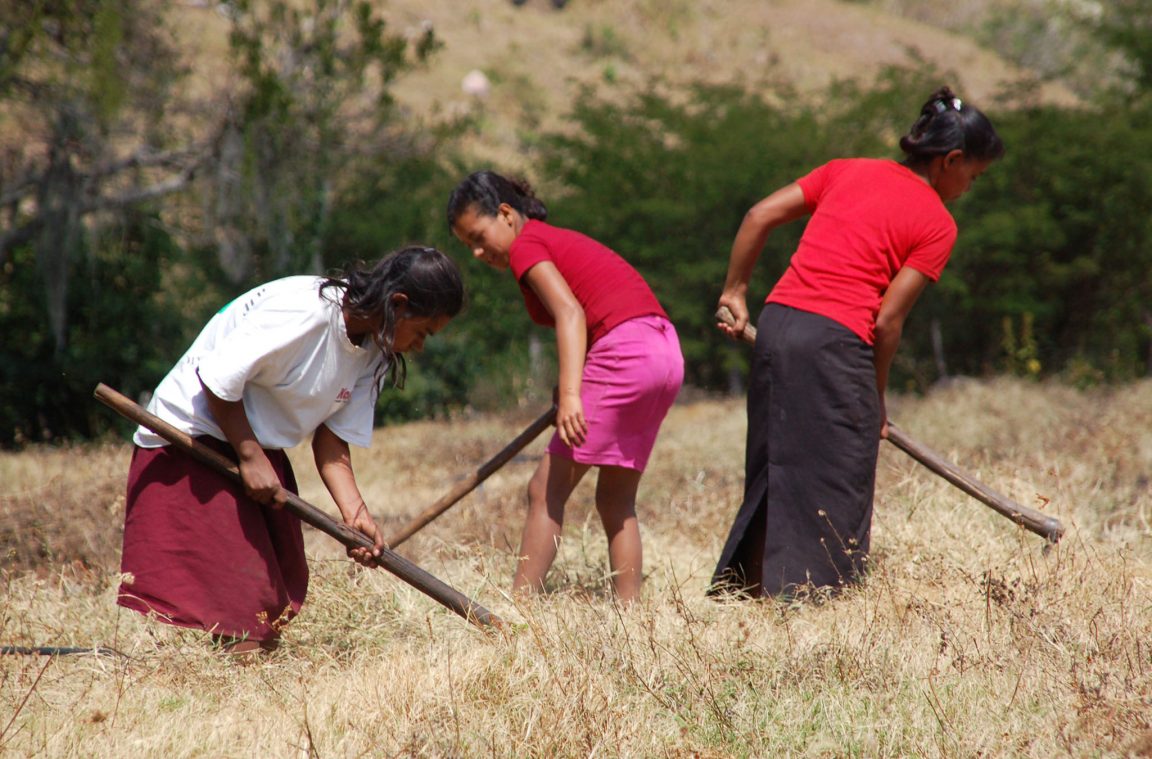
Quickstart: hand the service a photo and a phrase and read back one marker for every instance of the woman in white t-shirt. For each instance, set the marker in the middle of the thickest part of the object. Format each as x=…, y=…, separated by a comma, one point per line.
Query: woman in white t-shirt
x=294, y=357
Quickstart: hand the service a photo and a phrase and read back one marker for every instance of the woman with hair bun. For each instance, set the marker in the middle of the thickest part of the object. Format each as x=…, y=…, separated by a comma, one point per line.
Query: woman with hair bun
x=620, y=367
x=879, y=232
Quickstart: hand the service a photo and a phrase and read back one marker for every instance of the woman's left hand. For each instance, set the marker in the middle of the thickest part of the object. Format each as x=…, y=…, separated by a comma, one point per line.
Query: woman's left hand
x=363, y=522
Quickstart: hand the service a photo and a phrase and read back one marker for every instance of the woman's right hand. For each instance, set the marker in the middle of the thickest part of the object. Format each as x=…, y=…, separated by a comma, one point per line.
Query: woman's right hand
x=739, y=310
x=261, y=483
x=782, y=206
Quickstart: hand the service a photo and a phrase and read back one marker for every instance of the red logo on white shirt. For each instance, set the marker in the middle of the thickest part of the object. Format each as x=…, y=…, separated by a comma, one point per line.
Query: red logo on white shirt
x=344, y=395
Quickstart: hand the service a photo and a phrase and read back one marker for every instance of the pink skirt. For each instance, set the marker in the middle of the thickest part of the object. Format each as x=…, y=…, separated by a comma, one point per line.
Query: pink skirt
x=631, y=378
x=202, y=554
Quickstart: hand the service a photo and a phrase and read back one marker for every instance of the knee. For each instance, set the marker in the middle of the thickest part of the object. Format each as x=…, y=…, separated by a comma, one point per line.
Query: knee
x=532, y=498
x=615, y=514
x=537, y=493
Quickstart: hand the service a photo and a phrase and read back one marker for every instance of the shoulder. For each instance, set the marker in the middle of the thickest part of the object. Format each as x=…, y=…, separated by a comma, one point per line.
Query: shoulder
x=539, y=239
x=866, y=167
x=286, y=288
x=307, y=294
x=882, y=176
x=842, y=169
x=539, y=231
x=294, y=302
x=559, y=239
x=874, y=166
x=828, y=177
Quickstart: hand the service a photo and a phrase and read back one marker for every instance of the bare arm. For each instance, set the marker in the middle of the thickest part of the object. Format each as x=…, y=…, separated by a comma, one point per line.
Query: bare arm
x=782, y=206
x=334, y=462
x=571, y=346
x=898, y=301
x=261, y=483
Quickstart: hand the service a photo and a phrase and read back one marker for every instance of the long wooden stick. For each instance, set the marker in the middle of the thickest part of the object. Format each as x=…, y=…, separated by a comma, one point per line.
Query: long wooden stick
x=1043, y=525
x=472, y=481
x=393, y=562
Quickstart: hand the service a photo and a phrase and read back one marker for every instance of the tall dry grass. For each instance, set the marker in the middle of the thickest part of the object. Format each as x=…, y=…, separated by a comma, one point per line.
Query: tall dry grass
x=968, y=638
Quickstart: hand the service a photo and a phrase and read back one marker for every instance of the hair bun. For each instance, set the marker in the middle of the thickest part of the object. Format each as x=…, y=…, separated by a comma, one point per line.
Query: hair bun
x=946, y=124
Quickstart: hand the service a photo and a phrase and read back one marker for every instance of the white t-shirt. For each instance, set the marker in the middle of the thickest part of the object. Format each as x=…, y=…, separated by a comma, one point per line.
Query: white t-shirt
x=285, y=351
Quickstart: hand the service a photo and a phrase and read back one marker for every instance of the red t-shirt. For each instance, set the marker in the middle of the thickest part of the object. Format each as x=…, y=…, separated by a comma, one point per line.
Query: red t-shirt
x=606, y=286
x=870, y=218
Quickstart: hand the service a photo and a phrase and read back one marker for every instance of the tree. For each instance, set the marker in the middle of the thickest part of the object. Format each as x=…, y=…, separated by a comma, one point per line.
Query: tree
x=1126, y=25
x=314, y=103
x=85, y=85
x=104, y=158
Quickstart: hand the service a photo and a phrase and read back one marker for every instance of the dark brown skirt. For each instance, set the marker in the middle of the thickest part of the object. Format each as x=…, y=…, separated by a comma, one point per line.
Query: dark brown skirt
x=810, y=463
x=202, y=554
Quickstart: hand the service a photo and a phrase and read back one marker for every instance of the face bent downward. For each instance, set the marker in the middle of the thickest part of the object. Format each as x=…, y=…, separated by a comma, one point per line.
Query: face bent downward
x=489, y=238
x=956, y=175
x=412, y=331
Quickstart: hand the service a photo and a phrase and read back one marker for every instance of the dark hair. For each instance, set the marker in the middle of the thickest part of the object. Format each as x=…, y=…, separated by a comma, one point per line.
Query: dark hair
x=947, y=123
x=486, y=190
x=429, y=278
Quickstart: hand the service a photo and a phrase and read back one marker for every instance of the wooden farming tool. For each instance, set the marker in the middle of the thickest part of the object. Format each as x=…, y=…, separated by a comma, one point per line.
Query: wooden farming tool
x=1043, y=525
x=472, y=481
x=393, y=562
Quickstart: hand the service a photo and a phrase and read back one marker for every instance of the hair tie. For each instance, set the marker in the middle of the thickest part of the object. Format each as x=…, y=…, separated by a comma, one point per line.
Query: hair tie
x=943, y=104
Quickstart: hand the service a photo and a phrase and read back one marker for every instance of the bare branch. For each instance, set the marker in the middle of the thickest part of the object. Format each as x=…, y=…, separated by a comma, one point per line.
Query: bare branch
x=167, y=187
x=145, y=158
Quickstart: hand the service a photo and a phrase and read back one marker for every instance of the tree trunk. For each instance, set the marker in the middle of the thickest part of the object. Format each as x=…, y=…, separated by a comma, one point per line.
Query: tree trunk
x=59, y=209
x=938, y=348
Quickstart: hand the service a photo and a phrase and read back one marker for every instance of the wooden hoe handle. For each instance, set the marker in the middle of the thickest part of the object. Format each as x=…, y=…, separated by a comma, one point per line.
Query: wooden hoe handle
x=472, y=481
x=1043, y=525
x=393, y=562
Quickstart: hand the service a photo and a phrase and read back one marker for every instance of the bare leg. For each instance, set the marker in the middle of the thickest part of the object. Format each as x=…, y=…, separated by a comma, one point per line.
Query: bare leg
x=616, y=501
x=548, y=491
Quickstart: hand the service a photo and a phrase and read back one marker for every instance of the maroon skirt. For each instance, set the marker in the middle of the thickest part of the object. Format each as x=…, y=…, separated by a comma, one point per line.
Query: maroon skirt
x=199, y=553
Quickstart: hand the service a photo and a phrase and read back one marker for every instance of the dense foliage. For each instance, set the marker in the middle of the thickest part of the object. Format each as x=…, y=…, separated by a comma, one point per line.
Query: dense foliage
x=1051, y=272
x=237, y=185
x=109, y=266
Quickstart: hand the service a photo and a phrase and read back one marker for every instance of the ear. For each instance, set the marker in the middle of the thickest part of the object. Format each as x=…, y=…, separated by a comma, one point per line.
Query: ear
x=952, y=157
x=506, y=212
x=400, y=303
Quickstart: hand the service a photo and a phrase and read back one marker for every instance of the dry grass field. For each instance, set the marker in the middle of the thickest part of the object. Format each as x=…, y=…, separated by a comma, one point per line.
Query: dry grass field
x=968, y=638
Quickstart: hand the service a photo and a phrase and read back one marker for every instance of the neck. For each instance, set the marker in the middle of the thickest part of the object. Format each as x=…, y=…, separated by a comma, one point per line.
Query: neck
x=356, y=328
x=922, y=169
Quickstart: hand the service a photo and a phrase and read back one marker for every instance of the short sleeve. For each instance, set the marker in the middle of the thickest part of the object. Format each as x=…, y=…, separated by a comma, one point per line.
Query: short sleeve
x=527, y=251
x=932, y=254
x=816, y=182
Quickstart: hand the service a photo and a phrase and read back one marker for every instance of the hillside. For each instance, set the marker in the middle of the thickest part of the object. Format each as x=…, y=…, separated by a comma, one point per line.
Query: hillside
x=537, y=57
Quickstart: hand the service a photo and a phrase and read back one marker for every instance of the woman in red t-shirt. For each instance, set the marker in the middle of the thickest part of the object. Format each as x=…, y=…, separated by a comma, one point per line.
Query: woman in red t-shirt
x=878, y=234
x=620, y=367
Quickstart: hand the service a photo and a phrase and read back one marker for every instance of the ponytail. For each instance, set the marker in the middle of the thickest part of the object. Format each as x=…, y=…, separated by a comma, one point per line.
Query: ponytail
x=484, y=191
